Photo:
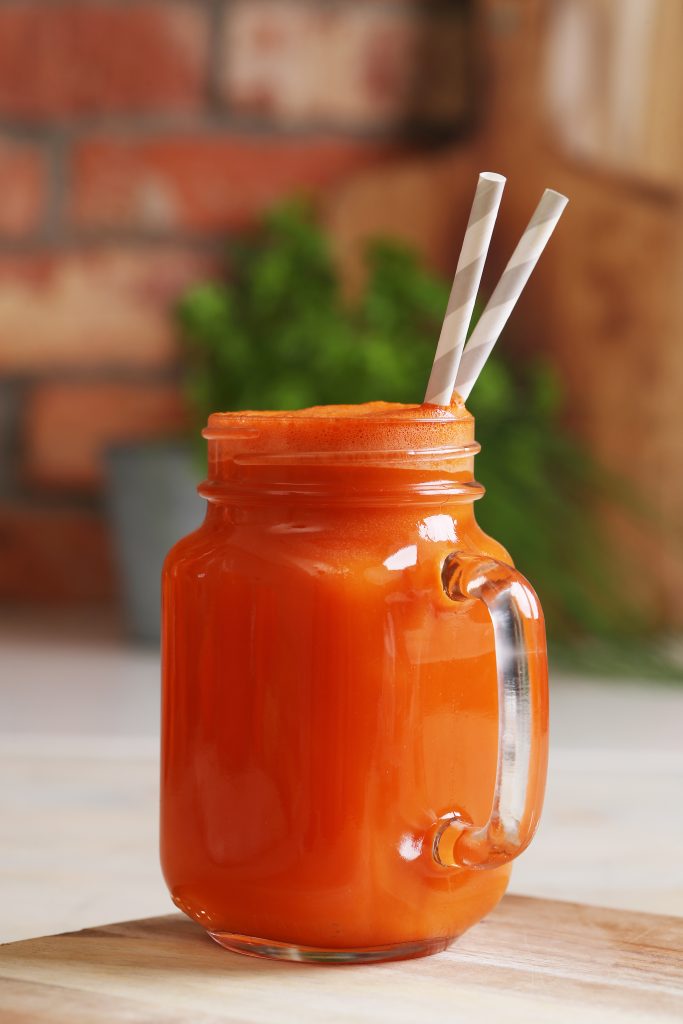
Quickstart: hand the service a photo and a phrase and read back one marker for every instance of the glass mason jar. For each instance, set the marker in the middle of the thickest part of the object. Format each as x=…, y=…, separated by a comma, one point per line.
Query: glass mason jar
x=355, y=690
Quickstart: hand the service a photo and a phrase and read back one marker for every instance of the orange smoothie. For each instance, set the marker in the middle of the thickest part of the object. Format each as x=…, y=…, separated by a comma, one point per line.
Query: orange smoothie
x=324, y=701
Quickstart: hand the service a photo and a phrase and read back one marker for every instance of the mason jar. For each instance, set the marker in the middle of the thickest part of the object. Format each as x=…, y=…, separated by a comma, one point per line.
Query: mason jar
x=354, y=689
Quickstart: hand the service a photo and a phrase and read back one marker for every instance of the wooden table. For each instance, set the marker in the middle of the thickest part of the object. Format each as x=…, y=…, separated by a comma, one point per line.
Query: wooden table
x=529, y=961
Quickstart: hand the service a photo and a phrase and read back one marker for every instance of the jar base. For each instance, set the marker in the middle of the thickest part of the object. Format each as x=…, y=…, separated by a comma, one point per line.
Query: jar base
x=270, y=949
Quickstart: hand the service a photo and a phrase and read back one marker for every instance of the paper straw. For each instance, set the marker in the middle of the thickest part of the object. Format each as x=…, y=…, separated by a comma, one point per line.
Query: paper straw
x=508, y=290
x=465, y=285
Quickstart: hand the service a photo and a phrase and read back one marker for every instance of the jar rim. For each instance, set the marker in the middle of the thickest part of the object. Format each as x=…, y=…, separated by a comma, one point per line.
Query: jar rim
x=220, y=426
x=359, y=457
x=370, y=413
x=369, y=430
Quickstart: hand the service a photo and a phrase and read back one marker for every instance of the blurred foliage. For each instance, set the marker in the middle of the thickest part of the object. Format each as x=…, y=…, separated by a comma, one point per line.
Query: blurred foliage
x=279, y=335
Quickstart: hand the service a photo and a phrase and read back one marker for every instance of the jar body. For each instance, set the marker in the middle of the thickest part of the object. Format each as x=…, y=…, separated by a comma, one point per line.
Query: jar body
x=324, y=703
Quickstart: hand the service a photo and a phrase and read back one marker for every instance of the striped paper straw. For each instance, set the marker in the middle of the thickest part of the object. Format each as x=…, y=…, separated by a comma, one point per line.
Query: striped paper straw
x=464, y=291
x=508, y=290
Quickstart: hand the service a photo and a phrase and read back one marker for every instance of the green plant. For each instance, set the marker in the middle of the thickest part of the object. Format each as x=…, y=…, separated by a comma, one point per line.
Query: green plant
x=279, y=334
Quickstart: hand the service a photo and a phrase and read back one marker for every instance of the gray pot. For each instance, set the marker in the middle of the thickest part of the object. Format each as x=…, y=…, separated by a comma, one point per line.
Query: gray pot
x=152, y=501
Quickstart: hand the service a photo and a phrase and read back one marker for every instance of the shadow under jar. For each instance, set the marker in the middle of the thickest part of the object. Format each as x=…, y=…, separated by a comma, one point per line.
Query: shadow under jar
x=354, y=689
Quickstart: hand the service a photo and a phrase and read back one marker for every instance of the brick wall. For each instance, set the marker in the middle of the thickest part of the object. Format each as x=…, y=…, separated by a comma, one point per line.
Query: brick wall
x=134, y=136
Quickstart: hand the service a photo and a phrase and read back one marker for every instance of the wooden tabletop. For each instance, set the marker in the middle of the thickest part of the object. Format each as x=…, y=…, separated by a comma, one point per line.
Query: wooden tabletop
x=529, y=961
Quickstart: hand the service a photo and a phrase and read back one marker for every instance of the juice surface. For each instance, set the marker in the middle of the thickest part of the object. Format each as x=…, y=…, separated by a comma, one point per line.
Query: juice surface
x=324, y=701
x=345, y=428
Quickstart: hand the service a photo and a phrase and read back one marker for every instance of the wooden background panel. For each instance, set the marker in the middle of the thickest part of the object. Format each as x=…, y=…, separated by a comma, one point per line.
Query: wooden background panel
x=605, y=301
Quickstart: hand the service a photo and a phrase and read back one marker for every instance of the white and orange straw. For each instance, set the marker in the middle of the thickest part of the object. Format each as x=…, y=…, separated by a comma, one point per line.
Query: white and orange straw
x=457, y=366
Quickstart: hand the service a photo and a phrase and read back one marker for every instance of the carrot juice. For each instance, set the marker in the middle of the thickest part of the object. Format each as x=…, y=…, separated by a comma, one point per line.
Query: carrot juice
x=330, y=698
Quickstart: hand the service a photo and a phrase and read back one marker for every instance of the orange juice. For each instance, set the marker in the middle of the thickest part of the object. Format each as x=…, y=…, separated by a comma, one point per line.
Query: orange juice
x=326, y=703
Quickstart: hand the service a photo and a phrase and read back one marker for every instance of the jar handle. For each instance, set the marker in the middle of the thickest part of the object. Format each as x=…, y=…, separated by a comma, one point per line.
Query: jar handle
x=522, y=672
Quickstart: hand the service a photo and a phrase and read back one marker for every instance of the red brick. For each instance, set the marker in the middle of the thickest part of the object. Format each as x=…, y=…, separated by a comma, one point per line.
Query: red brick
x=92, y=309
x=357, y=65
x=54, y=556
x=69, y=425
x=84, y=58
x=23, y=182
x=205, y=183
